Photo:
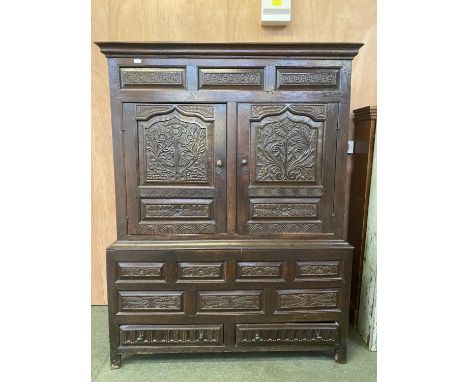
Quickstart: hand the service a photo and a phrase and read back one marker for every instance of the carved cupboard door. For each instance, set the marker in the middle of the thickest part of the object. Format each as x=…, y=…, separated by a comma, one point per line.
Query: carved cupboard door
x=286, y=168
x=175, y=169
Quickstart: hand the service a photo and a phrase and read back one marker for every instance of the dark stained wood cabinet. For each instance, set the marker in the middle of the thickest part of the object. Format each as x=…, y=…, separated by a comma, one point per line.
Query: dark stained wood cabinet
x=365, y=123
x=230, y=171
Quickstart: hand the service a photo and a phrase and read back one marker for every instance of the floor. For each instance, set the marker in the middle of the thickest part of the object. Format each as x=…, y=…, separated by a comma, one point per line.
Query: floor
x=288, y=367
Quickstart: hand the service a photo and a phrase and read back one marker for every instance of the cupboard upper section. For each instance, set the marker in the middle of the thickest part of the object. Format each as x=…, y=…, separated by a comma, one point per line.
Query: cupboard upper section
x=266, y=67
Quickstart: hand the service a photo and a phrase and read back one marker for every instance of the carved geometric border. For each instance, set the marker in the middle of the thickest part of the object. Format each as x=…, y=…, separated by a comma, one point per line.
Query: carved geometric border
x=274, y=228
x=285, y=192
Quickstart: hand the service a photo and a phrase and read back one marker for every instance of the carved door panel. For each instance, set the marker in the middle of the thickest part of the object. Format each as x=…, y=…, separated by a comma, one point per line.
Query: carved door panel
x=175, y=158
x=286, y=168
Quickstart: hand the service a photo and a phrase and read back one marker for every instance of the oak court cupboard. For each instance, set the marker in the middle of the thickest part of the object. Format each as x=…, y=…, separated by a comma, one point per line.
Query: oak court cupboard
x=230, y=171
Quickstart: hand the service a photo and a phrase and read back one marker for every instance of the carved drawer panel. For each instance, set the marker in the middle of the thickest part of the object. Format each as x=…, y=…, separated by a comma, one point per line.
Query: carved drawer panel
x=248, y=301
x=251, y=78
x=261, y=271
x=140, y=271
x=166, y=302
x=200, y=271
x=313, y=270
x=292, y=334
x=307, y=299
x=152, y=78
x=156, y=209
x=171, y=335
x=307, y=78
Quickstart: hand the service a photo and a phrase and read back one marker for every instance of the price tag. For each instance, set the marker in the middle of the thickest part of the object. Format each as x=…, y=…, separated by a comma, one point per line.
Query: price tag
x=137, y=60
x=276, y=3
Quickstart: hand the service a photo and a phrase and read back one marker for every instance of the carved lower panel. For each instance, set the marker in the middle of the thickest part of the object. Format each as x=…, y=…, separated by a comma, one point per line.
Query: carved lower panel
x=152, y=77
x=307, y=299
x=273, y=228
x=171, y=335
x=259, y=270
x=176, y=211
x=317, y=269
x=213, y=78
x=230, y=301
x=285, y=192
x=176, y=228
x=202, y=271
x=169, y=192
x=151, y=301
x=135, y=271
x=307, y=78
x=285, y=210
x=275, y=334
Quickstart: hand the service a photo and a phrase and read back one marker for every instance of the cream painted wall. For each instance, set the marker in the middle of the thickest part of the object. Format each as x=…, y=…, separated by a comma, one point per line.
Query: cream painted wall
x=207, y=20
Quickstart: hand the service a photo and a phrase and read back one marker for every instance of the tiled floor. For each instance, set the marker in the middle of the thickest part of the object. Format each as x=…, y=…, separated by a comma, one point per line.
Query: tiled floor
x=245, y=367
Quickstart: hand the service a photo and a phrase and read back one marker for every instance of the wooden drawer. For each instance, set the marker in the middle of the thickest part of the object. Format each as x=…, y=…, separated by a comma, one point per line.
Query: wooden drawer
x=171, y=335
x=140, y=271
x=166, y=302
x=289, y=333
x=319, y=270
x=306, y=300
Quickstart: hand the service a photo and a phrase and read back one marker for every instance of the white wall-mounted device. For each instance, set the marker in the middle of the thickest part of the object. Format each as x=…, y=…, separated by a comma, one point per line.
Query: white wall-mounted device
x=276, y=12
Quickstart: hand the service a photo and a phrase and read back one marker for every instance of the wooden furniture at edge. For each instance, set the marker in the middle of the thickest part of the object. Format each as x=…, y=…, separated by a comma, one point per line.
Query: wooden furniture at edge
x=365, y=122
x=230, y=171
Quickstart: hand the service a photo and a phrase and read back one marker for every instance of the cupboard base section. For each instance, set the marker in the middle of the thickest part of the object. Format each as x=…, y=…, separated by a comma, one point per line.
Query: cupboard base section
x=253, y=299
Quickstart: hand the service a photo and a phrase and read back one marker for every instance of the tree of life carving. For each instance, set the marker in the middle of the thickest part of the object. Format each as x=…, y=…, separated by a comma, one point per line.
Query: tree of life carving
x=286, y=150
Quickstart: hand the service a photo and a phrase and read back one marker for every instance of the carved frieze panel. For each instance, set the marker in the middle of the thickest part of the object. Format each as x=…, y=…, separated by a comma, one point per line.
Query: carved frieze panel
x=140, y=271
x=231, y=78
x=176, y=150
x=229, y=301
x=284, y=210
x=285, y=192
x=200, y=271
x=152, y=77
x=307, y=78
x=176, y=228
x=273, y=228
x=151, y=301
x=274, y=334
x=286, y=149
x=173, y=335
x=307, y=299
x=317, y=269
x=259, y=270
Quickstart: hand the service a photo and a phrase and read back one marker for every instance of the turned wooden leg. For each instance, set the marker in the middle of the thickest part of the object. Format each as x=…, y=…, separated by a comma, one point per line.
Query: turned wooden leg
x=340, y=354
x=115, y=360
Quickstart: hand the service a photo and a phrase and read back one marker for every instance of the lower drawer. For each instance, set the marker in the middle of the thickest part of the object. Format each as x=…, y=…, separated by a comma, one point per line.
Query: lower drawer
x=171, y=335
x=288, y=333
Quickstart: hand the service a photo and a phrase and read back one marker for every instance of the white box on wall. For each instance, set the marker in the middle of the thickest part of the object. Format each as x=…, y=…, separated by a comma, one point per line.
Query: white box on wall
x=276, y=12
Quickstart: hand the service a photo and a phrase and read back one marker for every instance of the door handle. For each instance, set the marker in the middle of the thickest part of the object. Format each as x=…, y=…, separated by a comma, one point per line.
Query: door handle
x=245, y=168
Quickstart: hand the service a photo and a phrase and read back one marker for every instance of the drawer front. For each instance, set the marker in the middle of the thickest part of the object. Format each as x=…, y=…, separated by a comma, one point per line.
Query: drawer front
x=278, y=334
x=171, y=335
x=147, y=271
x=307, y=78
x=303, y=300
x=222, y=302
x=260, y=271
x=319, y=270
x=200, y=271
x=165, y=302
